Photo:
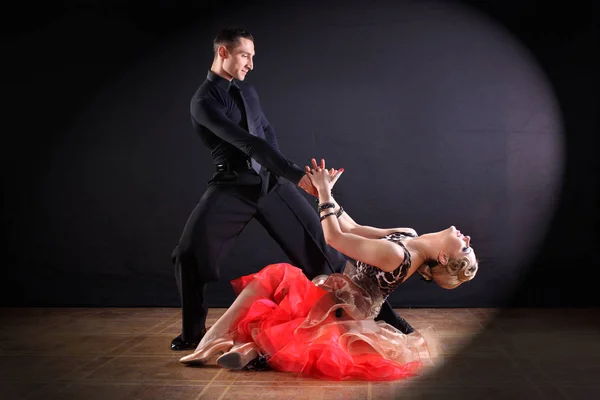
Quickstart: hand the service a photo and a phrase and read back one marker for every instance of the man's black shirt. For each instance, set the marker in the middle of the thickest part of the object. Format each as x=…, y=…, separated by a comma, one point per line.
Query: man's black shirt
x=218, y=116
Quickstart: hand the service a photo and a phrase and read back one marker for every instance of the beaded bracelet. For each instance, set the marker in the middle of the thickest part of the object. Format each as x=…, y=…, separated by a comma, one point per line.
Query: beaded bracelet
x=325, y=216
x=324, y=206
x=340, y=212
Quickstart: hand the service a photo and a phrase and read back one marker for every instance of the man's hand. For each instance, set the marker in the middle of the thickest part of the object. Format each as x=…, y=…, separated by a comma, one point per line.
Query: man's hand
x=306, y=184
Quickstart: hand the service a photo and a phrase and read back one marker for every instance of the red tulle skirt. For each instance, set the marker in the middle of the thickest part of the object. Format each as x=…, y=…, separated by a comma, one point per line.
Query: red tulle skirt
x=325, y=331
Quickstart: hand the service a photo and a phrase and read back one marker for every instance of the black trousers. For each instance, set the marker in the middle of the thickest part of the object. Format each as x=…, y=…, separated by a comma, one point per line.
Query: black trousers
x=217, y=221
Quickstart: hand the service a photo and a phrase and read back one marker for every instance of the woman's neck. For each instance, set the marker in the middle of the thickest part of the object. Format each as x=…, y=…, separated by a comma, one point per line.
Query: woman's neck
x=421, y=249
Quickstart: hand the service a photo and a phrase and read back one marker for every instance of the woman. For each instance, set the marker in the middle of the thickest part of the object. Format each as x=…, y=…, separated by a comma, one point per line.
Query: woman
x=325, y=327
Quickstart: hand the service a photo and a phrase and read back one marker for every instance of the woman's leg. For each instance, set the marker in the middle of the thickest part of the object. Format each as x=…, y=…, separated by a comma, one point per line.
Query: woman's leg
x=220, y=331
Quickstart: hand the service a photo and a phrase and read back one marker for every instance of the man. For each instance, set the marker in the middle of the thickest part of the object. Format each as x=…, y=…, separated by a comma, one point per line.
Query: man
x=252, y=180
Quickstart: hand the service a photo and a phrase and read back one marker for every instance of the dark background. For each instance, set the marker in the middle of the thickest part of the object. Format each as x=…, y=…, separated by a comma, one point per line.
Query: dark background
x=474, y=114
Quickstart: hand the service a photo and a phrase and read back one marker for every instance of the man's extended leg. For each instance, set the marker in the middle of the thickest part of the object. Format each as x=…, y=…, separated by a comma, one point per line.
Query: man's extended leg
x=209, y=234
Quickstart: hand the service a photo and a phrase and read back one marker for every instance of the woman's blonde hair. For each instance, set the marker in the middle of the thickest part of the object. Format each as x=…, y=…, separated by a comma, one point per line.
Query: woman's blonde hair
x=449, y=276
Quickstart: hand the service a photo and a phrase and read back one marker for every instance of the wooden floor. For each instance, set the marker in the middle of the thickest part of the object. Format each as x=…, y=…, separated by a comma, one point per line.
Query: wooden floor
x=115, y=353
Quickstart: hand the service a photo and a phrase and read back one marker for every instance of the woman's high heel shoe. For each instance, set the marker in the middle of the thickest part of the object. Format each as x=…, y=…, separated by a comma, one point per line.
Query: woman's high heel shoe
x=239, y=356
x=217, y=346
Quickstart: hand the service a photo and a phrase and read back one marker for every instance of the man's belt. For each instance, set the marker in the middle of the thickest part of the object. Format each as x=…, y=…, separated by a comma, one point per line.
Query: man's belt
x=230, y=167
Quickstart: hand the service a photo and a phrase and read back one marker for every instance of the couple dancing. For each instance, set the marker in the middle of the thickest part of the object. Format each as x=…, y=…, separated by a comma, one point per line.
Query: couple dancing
x=322, y=316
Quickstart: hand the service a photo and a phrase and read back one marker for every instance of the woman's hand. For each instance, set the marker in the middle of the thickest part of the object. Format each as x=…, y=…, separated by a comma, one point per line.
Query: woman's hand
x=321, y=178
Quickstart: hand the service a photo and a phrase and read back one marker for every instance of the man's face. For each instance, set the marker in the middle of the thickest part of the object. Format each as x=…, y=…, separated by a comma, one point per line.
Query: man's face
x=238, y=60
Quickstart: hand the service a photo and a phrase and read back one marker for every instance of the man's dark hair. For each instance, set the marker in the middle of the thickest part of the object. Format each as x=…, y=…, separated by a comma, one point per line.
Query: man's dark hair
x=230, y=37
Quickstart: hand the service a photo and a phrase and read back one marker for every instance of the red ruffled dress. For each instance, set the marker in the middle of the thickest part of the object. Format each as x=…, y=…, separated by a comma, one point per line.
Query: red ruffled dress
x=325, y=328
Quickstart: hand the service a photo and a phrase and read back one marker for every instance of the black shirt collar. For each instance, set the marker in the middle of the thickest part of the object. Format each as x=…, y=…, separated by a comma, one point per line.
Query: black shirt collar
x=220, y=81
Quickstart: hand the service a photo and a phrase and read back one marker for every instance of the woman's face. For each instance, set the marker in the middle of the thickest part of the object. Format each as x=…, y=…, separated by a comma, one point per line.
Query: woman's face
x=456, y=245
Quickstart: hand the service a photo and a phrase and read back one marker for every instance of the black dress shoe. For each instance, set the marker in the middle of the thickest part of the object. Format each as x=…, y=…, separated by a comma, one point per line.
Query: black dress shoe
x=179, y=344
x=258, y=364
